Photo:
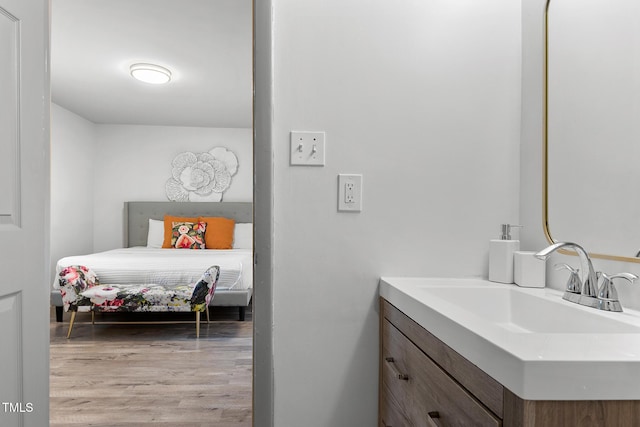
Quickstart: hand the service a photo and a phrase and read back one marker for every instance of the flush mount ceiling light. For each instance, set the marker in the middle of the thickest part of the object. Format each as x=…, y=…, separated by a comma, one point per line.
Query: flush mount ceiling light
x=150, y=73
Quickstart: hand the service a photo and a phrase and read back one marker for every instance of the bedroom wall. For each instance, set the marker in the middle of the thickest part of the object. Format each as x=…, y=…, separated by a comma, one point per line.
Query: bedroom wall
x=134, y=163
x=72, y=158
x=116, y=163
x=423, y=99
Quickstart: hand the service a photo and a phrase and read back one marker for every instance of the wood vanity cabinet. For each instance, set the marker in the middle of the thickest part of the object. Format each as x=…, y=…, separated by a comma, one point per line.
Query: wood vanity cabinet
x=423, y=382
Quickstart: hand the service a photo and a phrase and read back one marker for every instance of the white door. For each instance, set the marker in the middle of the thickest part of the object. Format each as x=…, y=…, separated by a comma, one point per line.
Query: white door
x=24, y=213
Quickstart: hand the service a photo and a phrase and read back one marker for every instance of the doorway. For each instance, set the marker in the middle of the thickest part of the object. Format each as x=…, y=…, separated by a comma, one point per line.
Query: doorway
x=123, y=147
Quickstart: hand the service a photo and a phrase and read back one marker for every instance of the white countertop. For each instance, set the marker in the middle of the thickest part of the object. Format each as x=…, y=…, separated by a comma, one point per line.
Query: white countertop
x=536, y=364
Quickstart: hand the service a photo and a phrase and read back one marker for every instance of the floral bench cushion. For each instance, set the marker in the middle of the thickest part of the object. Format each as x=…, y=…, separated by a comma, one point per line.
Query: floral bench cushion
x=80, y=287
x=140, y=298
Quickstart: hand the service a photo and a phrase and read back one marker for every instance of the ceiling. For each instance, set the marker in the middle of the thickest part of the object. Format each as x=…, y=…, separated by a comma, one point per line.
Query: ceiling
x=207, y=45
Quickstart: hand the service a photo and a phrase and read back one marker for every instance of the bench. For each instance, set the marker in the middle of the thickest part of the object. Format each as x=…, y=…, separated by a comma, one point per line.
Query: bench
x=81, y=290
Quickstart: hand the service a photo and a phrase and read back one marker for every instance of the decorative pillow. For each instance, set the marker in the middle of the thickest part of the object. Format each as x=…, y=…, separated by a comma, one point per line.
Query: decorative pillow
x=168, y=227
x=243, y=236
x=219, y=232
x=155, y=237
x=188, y=235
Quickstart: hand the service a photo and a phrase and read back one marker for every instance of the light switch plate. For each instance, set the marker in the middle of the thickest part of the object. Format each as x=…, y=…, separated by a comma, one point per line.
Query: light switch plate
x=307, y=148
x=350, y=193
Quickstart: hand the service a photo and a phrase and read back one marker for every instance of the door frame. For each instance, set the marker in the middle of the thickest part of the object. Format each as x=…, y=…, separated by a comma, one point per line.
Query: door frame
x=263, y=374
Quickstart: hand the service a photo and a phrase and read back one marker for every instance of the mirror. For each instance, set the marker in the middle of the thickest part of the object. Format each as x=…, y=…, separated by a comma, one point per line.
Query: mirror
x=592, y=126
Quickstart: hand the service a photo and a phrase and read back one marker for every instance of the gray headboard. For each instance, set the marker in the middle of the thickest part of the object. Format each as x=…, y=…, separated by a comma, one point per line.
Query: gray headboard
x=137, y=214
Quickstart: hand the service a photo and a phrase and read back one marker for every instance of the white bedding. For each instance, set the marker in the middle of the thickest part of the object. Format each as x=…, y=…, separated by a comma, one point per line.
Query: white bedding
x=143, y=265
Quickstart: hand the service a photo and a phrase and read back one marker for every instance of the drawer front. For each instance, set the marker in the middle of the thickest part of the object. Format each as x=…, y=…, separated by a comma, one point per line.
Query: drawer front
x=390, y=412
x=420, y=388
x=470, y=377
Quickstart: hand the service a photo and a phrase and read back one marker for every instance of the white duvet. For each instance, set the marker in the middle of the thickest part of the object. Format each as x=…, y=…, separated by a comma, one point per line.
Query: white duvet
x=142, y=265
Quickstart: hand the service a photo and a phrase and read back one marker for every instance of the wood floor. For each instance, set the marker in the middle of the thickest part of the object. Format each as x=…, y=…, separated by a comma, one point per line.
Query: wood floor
x=119, y=373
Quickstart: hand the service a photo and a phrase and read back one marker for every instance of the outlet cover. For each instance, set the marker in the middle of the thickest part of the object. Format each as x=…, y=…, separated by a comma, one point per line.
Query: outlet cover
x=307, y=148
x=350, y=193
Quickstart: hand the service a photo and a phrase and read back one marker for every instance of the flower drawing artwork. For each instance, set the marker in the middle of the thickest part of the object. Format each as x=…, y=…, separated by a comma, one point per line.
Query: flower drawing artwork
x=201, y=176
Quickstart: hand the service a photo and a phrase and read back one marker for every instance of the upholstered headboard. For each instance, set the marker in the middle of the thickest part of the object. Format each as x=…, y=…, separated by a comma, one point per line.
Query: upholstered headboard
x=137, y=214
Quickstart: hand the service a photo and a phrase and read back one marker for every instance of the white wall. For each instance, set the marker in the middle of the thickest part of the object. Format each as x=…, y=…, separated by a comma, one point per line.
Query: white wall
x=532, y=130
x=423, y=99
x=72, y=158
x=134, y=163
x=96, y=168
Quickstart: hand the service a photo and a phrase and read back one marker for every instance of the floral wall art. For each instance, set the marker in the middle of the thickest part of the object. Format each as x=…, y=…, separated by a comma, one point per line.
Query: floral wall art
x=201, y=177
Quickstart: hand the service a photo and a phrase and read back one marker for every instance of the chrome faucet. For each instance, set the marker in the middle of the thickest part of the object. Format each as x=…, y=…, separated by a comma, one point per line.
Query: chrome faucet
x=603, y=298
x=589, y=283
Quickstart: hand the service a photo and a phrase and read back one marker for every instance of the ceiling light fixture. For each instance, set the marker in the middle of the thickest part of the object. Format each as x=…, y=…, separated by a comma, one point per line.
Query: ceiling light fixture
x=150, y=73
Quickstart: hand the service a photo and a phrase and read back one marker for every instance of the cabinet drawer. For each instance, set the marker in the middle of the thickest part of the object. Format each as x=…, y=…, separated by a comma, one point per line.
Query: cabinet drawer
x=426, y=388
x=475, y=381
x=390, y=413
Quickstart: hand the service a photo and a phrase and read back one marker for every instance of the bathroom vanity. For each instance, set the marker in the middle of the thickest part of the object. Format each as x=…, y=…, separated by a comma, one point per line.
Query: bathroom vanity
x=426, y=382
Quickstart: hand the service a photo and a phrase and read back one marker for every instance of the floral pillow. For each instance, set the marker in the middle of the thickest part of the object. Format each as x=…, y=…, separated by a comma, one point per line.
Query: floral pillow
x=188, y=235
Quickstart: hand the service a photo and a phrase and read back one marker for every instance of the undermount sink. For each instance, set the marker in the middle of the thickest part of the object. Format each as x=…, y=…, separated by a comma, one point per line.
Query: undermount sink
x=526, y=312
x=538, y=345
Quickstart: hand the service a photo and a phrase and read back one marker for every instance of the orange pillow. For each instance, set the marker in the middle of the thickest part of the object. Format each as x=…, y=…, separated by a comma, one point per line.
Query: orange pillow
x=168, y=227
x=219, y=234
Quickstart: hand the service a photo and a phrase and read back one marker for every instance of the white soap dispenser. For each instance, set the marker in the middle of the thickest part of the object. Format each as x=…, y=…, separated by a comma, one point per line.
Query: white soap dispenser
x=501, y=256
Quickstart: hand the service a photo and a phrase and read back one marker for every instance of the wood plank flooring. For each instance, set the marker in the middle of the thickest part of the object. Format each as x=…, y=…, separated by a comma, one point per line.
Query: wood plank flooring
x=118, y=373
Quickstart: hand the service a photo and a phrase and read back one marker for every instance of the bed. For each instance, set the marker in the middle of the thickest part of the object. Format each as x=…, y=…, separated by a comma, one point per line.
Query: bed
x=138, y=263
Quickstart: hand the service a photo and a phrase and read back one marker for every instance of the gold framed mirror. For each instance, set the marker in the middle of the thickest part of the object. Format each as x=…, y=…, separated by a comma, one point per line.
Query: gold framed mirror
x=591, y=82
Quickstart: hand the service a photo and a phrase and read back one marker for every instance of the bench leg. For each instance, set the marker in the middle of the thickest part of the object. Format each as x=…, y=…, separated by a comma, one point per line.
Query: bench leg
x=73, y=317
x=59, y=312
x=208, y=314
x=241, y=311
x=197, y=324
